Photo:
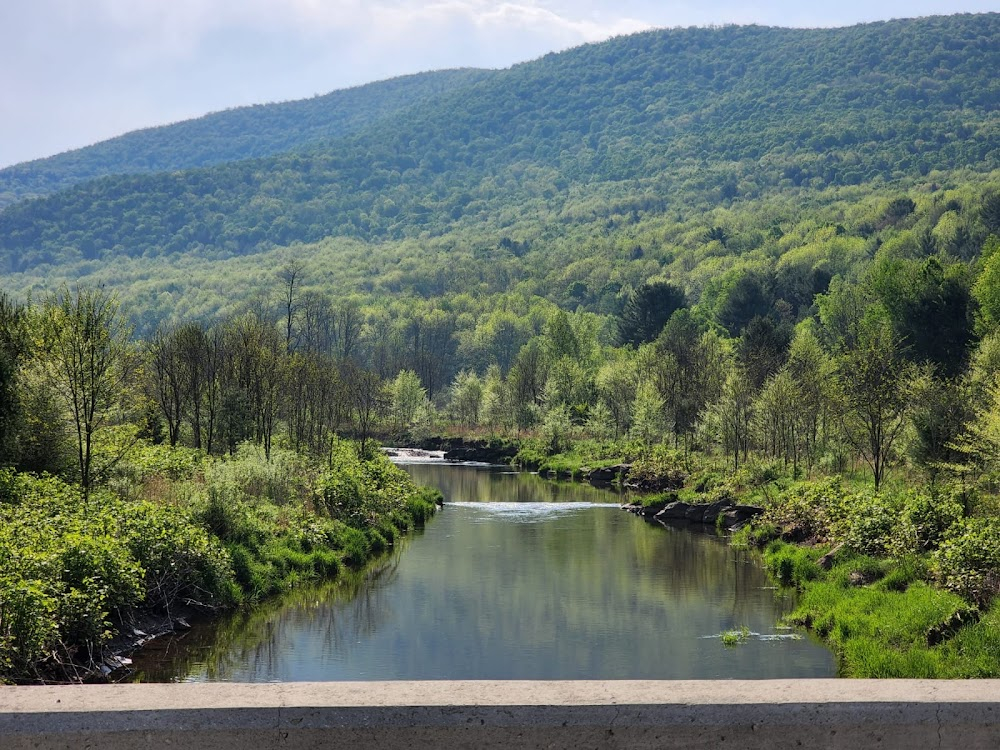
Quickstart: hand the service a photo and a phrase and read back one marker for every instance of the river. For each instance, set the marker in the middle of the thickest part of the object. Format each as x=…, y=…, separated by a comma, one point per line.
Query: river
x=515, y=578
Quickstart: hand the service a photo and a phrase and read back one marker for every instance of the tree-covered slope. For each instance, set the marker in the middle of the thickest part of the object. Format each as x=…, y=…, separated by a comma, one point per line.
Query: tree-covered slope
x=231, y=135
x=692, y=116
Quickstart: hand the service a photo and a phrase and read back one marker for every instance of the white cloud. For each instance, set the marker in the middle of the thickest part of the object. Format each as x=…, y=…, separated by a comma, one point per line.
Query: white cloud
x=529, y=17
x=83, y=70
x=74, y=71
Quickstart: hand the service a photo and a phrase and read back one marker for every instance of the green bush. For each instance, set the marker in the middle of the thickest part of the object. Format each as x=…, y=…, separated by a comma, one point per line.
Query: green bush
x=968, y=560
x=231, y=519
x=29, y=629
x=871, y=525
x=70, y=565
x=353, y=544
x=754, y=534
x=182, y=561
x=810, y=510
x=422, y=506
x=928, y=519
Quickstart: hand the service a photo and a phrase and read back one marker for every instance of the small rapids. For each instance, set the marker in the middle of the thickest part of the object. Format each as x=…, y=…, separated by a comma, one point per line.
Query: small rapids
x=413, y=456
x=525, y=512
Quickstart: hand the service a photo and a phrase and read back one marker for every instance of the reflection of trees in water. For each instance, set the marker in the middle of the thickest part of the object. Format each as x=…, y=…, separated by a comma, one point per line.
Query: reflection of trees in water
x=493, y=485
x=258, y=640
x=585, y=589
x=368, y=606
x=666, y=568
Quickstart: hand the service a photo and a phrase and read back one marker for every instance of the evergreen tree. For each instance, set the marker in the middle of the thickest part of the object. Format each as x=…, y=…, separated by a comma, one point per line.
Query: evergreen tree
x=648, y=310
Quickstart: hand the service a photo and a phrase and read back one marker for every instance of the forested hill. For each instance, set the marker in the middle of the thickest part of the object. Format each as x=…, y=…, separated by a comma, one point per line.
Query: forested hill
x=664, y=118
x=231, y=135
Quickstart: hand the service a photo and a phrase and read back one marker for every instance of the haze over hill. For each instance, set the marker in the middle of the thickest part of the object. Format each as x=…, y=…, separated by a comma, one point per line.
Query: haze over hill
x=648, y=127
x=241, y=133
x=688, y=116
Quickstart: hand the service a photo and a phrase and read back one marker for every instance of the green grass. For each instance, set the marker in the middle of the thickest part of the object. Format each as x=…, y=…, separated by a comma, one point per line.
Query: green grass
x=790, y=565
x=876, y=614
x=735, y=637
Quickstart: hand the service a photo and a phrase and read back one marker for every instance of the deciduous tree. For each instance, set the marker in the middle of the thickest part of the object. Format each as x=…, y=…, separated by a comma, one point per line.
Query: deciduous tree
x=91, y=363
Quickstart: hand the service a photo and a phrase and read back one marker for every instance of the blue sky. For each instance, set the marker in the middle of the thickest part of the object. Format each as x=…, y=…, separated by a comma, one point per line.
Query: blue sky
x=73, y=72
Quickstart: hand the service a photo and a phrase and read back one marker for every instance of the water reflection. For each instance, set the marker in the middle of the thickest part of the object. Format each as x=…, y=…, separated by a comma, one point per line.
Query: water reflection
x=517, y=577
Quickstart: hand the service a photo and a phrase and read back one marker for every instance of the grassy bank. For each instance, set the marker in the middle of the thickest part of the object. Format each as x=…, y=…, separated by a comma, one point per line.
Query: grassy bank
x=174, y=528
x=536, y=455
x=576, y=459
x=900, y=584
x=887, y=618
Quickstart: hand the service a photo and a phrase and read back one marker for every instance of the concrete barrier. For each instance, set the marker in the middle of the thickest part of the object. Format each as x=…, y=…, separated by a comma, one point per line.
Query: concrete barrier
x=600, y=714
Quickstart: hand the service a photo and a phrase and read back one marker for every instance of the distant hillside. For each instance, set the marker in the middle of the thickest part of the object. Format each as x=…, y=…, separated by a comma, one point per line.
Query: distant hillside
x=241, y=133
x=664, y=119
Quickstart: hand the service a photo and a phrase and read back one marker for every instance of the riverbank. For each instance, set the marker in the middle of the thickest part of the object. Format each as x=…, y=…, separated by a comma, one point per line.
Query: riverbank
x=887, y=618
x=902, y=583
x=175, y=532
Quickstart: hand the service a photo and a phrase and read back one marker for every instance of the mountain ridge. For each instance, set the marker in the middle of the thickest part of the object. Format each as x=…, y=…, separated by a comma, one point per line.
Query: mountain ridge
x=221, y=136
x=696, y=117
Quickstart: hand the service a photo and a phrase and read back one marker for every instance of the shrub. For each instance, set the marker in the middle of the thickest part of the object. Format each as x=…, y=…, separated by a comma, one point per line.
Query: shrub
x=754, y=534
x=181, y=560
x=871, y=525
x=929, y=519
x=231, y=519
x=810, y=509
x=68, y=563
x=968, y=560
x=28, y=625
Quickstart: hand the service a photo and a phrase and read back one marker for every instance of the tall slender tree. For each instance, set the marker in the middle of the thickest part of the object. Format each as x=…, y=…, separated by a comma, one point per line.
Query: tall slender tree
x=92, y=365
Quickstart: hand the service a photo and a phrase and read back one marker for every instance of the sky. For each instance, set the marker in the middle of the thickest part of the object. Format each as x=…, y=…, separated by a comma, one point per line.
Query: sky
x=74, y=72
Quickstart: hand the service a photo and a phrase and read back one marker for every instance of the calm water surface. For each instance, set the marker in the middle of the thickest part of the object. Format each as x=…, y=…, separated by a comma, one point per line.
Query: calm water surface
x=516, y=578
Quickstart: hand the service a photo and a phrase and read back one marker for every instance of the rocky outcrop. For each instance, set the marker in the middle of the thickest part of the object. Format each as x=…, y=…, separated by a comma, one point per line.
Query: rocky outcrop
x=671, y=509
x=671, y=481
x=479, y=451
x=606, y=474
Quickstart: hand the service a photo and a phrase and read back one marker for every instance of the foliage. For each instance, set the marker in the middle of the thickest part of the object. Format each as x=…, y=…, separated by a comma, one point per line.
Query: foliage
x=875, y=380
x=361, y=492
x=240, y=133
x=651, y=101
x=557, y=430
x=90, y=363
x=810, y=510
x=870, y=526
x=883, y=619
x=74, y=565
x=409, y=407
x=70, y=562
x=648, y=309
x=14, y=345
x=968, y=560
x=647, y=414
x=466, y=251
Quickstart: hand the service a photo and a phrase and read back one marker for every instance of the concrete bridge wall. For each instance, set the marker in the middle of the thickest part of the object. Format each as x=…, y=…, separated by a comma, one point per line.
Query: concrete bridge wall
x=443, y=715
